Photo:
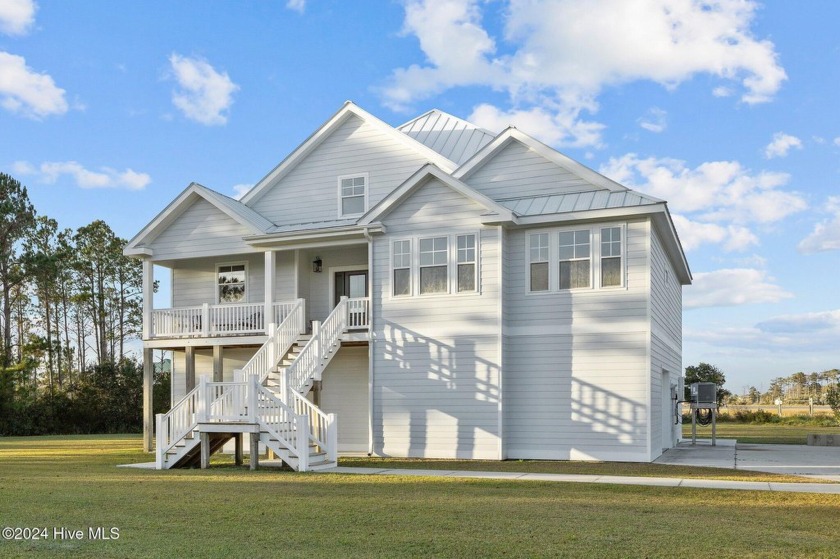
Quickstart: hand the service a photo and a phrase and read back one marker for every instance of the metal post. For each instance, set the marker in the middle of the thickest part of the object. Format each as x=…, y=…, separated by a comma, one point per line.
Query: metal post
x=714, y=425
x=693, y=425
x=148, y=404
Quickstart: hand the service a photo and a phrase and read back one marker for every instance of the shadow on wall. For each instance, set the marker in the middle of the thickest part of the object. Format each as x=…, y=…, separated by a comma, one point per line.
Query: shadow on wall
x=435, y=399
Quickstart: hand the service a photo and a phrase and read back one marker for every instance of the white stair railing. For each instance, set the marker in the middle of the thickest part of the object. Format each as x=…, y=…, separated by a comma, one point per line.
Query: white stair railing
x=280, y=339
x=177, y=423
x=325, y=335
x=322, y=427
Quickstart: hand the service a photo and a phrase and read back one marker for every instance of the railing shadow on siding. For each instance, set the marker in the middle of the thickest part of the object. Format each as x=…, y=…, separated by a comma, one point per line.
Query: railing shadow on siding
x=435, y=370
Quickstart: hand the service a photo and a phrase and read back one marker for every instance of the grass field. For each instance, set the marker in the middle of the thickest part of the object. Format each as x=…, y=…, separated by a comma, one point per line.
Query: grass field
x=72, y=482
x=762, y=433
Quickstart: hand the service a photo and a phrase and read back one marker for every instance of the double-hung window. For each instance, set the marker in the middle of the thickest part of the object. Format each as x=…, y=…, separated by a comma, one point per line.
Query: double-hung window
x=575, y=259
x=611, y=257
x=352, y=195
x=434, y=260
x=539, y=262
x=231, y=283
x=402, y=268
x=466, y=263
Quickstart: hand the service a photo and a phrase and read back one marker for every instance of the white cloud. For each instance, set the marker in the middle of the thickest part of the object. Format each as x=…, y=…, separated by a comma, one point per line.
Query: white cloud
x=731, y=287
x=51, y=171
x=239, y=190
x=205, y=94
x=559, y=55
x=837, y=141
x=26, y=92
x=655, y=120
x=714, y=202
x=781, y=144
x=722, y=91
x=296, y=5
x=558, y=127
x=826, y=234
x=16, y=16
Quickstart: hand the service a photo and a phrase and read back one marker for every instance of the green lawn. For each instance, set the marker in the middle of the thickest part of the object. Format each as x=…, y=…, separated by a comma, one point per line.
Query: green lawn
x=762, y=433
x=72, y=482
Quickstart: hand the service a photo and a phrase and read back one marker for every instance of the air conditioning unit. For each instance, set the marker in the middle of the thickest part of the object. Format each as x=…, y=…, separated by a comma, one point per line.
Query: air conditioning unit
x=704, y=393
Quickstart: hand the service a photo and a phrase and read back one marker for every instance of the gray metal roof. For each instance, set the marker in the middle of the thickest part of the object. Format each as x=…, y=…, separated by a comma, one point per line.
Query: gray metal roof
x=291, y=227
x=577, y=202
x=453, y=138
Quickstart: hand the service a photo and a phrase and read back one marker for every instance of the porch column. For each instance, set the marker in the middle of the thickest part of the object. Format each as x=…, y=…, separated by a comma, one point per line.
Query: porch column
x=148, y=409
x=148, y=297
x=218, y=362
x=270, y=272
x=189, y=358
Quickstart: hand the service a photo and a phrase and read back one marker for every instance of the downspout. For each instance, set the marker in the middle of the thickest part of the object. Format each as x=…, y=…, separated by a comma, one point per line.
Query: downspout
x=370, y=340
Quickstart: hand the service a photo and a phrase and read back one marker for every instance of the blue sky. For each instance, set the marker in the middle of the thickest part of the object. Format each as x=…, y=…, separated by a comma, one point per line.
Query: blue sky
x=728, y=109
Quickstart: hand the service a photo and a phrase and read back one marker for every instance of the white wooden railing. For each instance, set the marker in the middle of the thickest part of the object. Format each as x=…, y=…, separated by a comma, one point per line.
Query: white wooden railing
x=283, y=424
x=279, y=341
x=177, y=423
x=322, y=428
x=217, y=320
x=358, y=313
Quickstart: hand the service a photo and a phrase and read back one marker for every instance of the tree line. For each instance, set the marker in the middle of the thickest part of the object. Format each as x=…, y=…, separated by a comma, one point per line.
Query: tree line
x=797, y=388
x=70, y=304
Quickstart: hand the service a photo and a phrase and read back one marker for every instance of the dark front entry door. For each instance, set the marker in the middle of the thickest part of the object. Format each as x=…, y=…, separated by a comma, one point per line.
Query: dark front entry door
x=351, y=284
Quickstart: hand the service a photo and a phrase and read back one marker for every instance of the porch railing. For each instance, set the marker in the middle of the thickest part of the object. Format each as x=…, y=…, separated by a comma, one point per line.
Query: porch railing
x=216, y=320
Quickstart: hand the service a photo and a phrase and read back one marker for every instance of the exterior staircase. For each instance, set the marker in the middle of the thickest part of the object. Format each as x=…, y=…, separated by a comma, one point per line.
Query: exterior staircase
x=267, y=398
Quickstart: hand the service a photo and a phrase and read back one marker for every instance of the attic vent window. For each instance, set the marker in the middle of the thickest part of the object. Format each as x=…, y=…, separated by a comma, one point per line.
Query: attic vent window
x=352, y=195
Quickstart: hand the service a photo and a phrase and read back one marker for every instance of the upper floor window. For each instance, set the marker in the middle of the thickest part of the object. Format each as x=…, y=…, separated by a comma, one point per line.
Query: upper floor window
x=611, y=257
x=434, y=258
x=539, y=262
x=231, y=283
x=352, y=195
x=402, y=268
x=466, y=263
x=575, y=259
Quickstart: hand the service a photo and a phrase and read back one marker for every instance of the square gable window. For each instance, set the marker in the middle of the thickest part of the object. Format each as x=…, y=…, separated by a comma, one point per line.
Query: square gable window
x=352, y=195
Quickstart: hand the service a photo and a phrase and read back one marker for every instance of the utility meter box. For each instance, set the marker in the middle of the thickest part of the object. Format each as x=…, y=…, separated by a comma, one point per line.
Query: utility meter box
x=704, y=393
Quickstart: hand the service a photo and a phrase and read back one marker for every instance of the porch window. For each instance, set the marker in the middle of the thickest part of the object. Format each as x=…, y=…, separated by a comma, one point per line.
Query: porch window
x=352, y=195
x=539, y=261
x=611, y=257
x=231, y=283
x=434, y=257
x=402, y=268
x=466, y=263
x=575, y=262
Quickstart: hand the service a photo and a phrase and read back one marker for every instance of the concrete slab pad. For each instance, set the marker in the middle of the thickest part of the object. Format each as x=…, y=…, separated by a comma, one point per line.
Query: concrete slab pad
x=140, y=466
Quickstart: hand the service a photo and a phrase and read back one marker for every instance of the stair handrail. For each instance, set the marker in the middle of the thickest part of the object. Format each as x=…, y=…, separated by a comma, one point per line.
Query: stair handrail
x=322, y=427
x=279, y=341
x=281, y=422
x=177, y=423
x=308, y=363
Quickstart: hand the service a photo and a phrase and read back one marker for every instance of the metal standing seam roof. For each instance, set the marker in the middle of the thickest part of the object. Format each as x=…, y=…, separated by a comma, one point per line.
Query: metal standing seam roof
x=577, y=202
x=453, y=138
x=256, y=220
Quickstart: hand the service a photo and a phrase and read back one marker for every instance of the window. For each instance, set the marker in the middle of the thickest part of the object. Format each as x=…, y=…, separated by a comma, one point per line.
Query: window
x=611, y=257
x=539, y=262
x=231, y=283
x=434, y=257
x=352, y=195
x=574, y=259
x=402, y=268
x=466, y=263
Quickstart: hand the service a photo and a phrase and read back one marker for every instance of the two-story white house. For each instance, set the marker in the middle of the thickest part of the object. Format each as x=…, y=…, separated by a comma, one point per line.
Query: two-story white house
x=429, y=290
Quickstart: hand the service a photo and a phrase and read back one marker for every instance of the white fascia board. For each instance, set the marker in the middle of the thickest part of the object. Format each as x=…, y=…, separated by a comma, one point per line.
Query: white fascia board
x=418, y=179
x=487, y=153
x=314, y=235
x=138, y=252
x=313, y=141
x=176, y=208
x=590, y=215
x=671, y=239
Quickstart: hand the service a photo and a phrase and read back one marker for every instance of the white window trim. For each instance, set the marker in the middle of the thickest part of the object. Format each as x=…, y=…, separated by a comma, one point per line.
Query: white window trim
x=451, y=266
x=366, y=176
x=216, y=281
x=595, y=259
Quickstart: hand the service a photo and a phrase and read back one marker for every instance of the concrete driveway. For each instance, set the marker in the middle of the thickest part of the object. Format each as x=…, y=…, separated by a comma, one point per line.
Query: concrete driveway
x=820, y=462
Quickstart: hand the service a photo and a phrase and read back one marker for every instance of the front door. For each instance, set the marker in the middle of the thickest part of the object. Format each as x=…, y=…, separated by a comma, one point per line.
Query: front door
x=353, y=284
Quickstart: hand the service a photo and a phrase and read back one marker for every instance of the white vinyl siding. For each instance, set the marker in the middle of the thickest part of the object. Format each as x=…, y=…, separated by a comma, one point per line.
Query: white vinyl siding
x=201, y=230
x=307, y=194
x=518, y=171
x=436, y=358
x=576, y=368
x=345, y=393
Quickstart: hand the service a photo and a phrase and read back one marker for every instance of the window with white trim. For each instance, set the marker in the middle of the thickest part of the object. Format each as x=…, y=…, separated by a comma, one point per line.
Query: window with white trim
x=433, y=265
x=231, y=283
x=611, y=257
x=352, y=195
x=575, y=261
x=401, y=275
x=538, y=262
x=466, y=263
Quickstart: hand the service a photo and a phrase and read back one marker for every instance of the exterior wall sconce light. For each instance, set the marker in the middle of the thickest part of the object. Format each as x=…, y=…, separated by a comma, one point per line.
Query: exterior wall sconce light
x=317, y=265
